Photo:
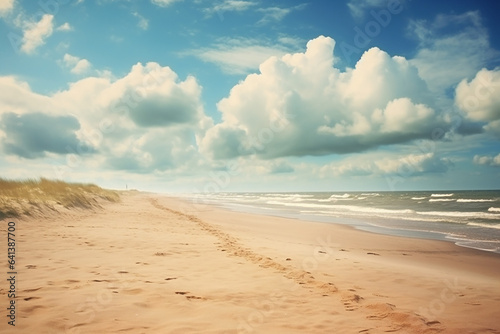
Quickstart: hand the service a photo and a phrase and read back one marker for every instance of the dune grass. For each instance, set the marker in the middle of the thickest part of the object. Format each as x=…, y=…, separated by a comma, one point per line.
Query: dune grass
x=18, y=198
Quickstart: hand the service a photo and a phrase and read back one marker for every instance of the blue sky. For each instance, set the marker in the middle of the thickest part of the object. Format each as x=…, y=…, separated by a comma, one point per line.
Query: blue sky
x=247, y=95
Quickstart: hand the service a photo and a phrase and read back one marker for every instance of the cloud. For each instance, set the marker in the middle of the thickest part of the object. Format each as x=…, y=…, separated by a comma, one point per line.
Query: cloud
x=359, y=7
x=154, y=150
x=16, y=96
x=6, y=7
x=259, y=167
x=33, y=135
x=300, y=104
x=273, y=14
x=229, y=6
x=146, y=121
x=143, y=22
x=452, y=47
x=480, y=99
x=159, y=110
x=116, y=39
x=487, y=160
x=35, y=33
x=151, y=120
x=414, y=164
x=163, y=3
x=239, y=56
x=280, y=167
x=159, y=99
x=389, y=165
x=77, y=65
x=65, y=27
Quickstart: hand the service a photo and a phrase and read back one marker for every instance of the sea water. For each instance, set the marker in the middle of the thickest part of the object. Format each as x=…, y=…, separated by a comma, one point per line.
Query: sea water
x=468, y=218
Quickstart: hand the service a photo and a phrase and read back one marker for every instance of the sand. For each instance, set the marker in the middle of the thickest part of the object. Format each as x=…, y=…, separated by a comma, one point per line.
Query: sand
x=154, y=264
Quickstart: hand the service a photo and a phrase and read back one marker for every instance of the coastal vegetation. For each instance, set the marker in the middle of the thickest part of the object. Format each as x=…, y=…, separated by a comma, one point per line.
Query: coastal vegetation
x=27, y=197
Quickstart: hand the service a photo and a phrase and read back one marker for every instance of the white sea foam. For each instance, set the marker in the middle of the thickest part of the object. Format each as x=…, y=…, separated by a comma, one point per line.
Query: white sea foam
x=478, y=200
x=335, y=198
x=340, y=196
x=370, y=210
x=458, y=214
x=341, y=209
x=302, y=205
x=396, y=210
x=495, y=226
x=480, y=246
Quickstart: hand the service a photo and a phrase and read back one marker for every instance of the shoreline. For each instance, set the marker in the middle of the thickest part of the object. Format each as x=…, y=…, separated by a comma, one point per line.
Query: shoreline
x=361, y=224
x=153, y=264
x=213, y=212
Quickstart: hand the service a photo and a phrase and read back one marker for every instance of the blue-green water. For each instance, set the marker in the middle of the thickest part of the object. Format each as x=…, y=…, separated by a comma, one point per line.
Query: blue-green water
x=468, y=218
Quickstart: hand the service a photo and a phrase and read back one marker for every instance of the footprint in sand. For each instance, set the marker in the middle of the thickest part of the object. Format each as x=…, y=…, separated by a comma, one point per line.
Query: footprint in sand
x=379, y=311
x=195, y=297
x=31, y=298
x=351, y=301
x=189, y=297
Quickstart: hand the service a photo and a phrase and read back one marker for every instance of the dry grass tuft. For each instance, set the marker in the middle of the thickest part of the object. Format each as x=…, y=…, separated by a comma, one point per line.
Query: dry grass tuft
x=18, y=198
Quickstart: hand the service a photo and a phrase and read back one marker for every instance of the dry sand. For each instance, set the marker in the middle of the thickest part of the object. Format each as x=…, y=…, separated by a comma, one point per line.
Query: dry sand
x=153, y=264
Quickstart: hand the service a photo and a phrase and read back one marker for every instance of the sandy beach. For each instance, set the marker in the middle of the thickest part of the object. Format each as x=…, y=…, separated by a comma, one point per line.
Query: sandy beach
x=156, y=264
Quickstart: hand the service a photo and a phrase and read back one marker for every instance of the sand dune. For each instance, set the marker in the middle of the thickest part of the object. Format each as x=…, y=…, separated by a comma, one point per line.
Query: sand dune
x=153, y=264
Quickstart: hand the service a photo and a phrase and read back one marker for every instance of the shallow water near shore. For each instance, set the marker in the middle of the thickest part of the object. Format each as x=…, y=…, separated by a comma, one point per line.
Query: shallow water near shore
x=467, y=218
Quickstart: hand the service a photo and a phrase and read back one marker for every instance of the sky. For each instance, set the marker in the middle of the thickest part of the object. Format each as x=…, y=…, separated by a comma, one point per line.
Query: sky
x=248, y=95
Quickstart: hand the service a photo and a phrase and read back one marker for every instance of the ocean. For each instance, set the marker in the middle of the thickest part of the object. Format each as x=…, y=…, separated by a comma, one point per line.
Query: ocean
x=467, y=218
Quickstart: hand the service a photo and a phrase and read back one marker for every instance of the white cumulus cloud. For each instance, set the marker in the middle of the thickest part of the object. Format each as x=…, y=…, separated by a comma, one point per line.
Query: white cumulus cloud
x=6, y=7
x=480, y=99
x=146, y=121
x=35, y=33
x=76, y=65
x=300, y=104
x=387, y=164
x=487, y=160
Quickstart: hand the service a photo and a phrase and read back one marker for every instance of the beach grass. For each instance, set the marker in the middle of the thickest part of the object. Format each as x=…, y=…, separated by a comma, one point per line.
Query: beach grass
x=23, y=197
